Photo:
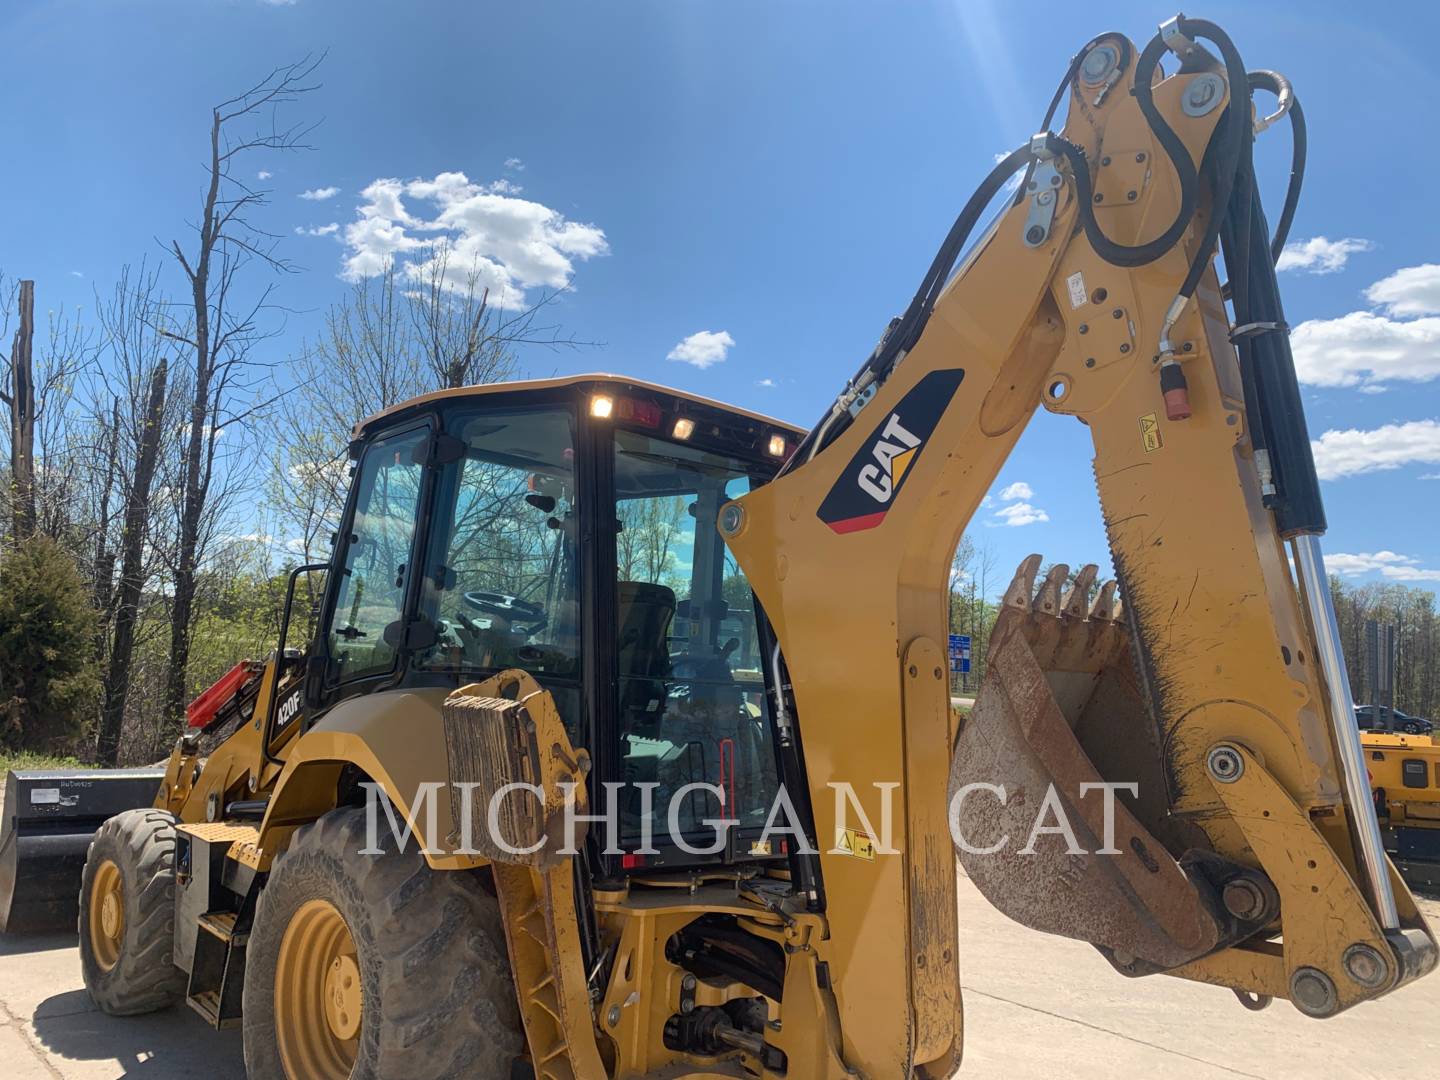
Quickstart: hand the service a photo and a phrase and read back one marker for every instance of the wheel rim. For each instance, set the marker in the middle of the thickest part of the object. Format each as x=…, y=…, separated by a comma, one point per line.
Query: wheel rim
x=107, y=914
x=318, y=1000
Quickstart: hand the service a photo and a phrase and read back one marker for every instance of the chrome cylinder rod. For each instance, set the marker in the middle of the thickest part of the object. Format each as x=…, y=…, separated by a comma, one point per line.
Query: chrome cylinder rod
x=1359, y=806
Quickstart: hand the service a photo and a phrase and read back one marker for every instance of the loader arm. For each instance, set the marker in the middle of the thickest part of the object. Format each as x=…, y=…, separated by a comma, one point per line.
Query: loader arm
x=1249, y=856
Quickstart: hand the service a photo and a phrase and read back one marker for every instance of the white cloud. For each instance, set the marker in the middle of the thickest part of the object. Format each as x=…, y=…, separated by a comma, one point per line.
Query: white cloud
x=1019, y=513
x=320, y=194
x=1351, y=452
x=703, y=348
x=1414, y=290
x=479, y=233
x=770, y=383
x=1386, y=563
x=280, y=3
x=1017, y=490
x=1365, y=349
x=76, y=273
x=264, y=174
x=318, y=230
x=1319, y=255
x=514, y=163
x=1430, y=476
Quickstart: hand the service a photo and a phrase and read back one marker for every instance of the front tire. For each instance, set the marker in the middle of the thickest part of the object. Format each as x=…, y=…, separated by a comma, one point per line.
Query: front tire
x=127, y=915
x=375, y=965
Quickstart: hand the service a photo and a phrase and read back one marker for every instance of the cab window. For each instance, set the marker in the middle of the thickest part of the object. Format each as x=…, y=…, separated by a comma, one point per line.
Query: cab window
x=502, y=584
x=692, y=704
x=376, y=574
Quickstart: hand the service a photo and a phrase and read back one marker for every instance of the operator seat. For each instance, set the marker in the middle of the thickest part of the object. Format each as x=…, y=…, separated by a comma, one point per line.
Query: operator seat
x=645, y=613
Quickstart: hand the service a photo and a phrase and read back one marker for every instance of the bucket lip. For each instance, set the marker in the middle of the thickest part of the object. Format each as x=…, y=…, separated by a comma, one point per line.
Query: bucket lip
x=145, y=773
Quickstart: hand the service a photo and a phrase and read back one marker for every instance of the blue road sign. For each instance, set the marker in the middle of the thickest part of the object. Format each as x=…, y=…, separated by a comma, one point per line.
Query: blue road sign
x=960, y=653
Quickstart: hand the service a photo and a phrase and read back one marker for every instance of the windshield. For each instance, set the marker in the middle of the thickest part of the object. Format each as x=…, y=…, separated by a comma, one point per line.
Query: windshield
x=691, y=692
x=501, y=584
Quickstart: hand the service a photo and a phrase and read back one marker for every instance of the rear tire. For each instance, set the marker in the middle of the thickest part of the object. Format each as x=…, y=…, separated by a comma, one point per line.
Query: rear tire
x=436, y=994
x=127, y=923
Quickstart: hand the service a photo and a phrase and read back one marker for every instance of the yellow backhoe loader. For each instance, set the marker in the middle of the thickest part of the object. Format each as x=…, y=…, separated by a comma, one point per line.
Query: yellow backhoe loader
x=624, y=746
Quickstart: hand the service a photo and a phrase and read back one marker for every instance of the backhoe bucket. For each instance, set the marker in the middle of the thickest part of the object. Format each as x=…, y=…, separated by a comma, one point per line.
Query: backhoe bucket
x=48, y=819
x=1062, y=713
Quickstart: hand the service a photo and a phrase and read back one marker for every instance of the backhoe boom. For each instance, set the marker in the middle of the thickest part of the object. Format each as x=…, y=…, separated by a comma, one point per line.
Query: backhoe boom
x=1247, y=853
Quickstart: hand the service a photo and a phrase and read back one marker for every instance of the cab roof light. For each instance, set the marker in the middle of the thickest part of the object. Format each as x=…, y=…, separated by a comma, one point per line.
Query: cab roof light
x=601, y=406
x=633, y=411
x=777, y=446
x=684, y=427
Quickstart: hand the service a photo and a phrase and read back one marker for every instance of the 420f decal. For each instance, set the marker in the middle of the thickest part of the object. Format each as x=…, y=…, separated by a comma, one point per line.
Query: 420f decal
x=871, y=481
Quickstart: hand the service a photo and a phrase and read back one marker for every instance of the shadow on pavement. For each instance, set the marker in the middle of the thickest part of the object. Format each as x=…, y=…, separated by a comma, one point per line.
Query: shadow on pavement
x=19, y=944
x=175, y=1042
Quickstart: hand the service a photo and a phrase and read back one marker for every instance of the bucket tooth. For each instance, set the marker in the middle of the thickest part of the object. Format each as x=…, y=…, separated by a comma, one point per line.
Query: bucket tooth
x=1022, y=587
x=1047, y=600
x=1104, y=607
x=1077, y=602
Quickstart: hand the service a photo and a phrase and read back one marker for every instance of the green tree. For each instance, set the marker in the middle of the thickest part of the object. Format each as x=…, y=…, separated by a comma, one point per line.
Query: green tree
x=48, y=690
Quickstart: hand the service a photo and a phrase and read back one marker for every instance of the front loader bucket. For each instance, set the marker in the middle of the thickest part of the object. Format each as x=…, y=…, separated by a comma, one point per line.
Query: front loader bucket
x=48, y=819
x=1062, y=712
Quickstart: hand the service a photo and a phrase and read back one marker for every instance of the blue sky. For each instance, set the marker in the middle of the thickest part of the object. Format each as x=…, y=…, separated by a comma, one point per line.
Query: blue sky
x=777, y=175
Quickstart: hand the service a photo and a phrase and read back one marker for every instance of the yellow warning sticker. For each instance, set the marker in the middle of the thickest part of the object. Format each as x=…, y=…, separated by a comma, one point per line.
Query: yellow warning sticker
x=1150, y=432
x=854, y=842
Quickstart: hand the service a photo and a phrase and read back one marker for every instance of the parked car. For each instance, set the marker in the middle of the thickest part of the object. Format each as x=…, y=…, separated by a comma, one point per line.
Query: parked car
x=1374, y=718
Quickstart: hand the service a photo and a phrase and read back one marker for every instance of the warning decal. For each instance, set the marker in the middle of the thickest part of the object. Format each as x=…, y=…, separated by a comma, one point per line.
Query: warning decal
x=854, y=842
x=1150, y=432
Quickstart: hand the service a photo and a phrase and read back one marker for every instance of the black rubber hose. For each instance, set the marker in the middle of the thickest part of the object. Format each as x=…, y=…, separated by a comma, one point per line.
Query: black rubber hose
x=1141, y=254
x=1275, y=83
x=1239, y=131
x=1120, y=41
x=1122, y=44
x=906, y=330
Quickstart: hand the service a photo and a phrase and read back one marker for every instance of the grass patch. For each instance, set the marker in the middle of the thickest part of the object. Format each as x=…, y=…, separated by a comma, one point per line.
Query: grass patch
x=29, y=759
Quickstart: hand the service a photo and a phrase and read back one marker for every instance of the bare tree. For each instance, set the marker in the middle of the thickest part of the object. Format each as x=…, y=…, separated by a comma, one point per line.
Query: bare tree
x=132, y=577
x=39, y=389
x=409, y=330
x=224, y=327
x=21, y=400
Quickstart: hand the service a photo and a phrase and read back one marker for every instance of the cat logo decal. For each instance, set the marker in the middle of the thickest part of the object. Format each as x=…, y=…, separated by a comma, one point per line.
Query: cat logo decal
x=872, y=480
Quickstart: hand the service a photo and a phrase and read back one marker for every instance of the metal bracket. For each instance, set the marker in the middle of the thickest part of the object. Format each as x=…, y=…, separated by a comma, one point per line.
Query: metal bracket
x=1175, y=39
x=1044, y=189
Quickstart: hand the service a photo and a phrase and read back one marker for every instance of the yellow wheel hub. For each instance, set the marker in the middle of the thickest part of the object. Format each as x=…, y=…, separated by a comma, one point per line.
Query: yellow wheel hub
x=106, y=916
x=318, y=1000
x=342, y=997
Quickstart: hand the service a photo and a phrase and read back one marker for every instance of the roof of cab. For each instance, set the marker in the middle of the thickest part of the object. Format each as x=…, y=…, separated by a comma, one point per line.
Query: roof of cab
x=565, y=380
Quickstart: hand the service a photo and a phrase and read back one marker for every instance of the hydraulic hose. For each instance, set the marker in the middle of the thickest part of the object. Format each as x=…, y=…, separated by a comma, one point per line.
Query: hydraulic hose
x=1277, y=84
x=906, y=330
x=1140, y=254
x=1239, y=136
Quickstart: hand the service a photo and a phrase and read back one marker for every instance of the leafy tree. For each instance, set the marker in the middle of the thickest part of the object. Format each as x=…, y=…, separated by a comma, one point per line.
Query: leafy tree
x=48, y=686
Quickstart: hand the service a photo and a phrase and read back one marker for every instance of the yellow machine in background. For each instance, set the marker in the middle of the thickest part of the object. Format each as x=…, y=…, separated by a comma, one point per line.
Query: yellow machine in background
x=1405, y=777
x=681, y=624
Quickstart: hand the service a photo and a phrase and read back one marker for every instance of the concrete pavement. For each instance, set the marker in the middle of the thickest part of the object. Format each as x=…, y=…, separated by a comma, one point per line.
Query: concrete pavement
x=1036, y=1008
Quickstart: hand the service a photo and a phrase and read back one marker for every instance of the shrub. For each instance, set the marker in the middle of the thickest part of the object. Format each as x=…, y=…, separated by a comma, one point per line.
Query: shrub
x=48, y=685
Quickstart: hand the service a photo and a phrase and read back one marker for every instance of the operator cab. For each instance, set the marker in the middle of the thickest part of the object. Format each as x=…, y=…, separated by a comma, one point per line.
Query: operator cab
x=567, y=527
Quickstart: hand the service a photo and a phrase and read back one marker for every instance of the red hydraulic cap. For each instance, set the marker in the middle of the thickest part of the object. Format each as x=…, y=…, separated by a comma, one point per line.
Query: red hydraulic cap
x=1176, y=391
x=1177, y=404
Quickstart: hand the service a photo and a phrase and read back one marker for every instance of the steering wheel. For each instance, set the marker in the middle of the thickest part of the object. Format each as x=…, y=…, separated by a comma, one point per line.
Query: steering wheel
x=516, y=612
